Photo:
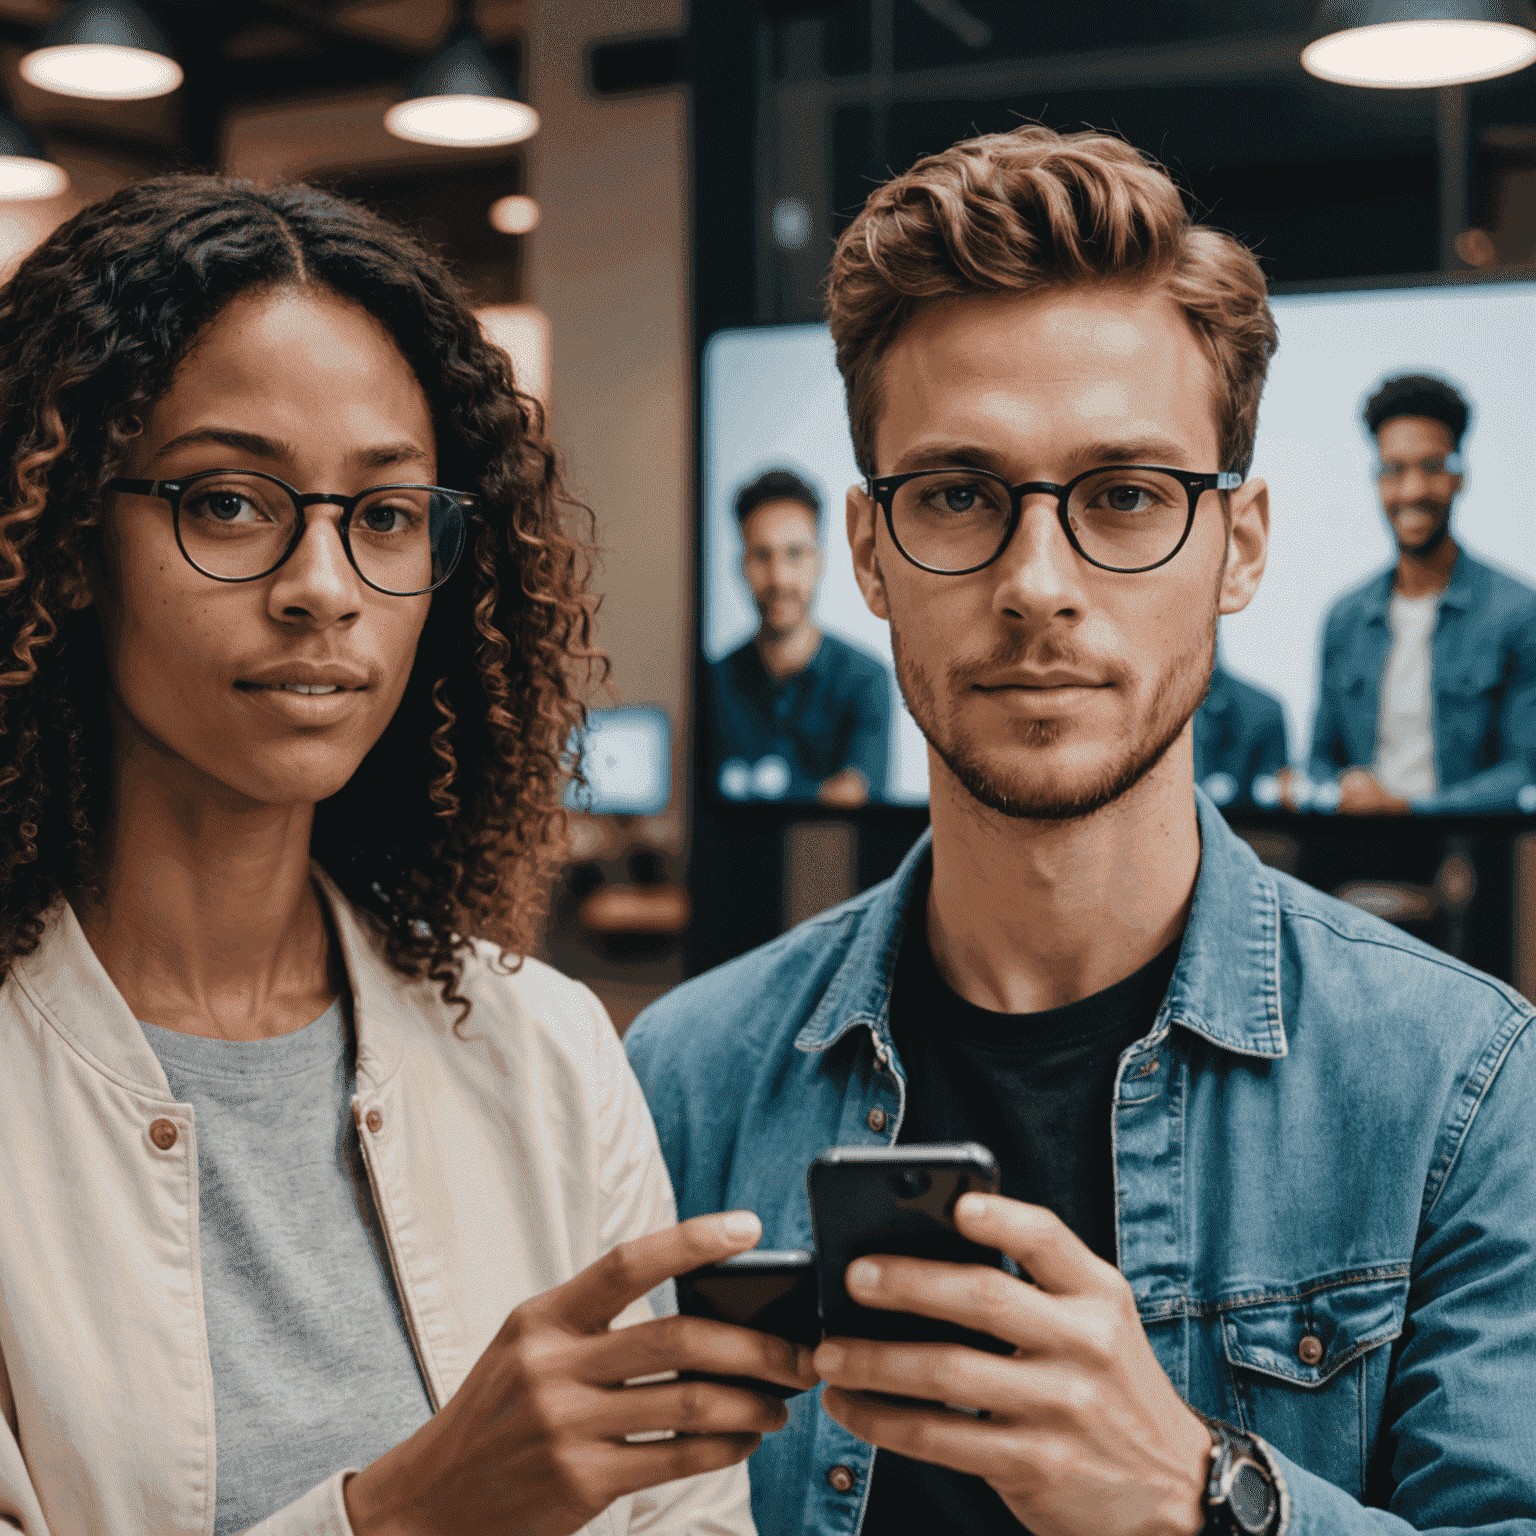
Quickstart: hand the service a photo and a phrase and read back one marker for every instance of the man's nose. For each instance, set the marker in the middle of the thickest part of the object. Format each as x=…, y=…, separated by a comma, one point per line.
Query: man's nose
x=1039, y=574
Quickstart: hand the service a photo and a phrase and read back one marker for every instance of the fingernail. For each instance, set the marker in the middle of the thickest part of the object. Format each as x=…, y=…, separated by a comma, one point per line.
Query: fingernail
x=864, y=1274
x=974, y=1206
x=829, y=1359
x=740, y=1224
x=805, y=1361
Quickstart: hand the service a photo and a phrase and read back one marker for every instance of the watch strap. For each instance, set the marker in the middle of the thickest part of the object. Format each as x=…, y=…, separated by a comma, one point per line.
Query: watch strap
x=1229, y=1444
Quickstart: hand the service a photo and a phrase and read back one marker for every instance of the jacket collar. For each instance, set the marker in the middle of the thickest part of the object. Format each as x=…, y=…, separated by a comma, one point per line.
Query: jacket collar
x=69, y=985
x=1225, y=987
x=1459, y=591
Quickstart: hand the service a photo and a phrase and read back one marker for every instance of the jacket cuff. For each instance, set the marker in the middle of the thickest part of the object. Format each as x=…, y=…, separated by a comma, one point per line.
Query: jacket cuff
x=320, y=1512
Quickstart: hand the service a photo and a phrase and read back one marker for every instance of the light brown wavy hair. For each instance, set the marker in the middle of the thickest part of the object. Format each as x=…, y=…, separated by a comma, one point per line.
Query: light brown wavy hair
x=1031, y=210
x=450, y=828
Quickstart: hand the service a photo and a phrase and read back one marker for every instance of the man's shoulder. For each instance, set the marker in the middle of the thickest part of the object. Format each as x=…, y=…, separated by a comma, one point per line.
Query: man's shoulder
x=1502, y=589
x=1359, y=601
x=1349, y=960
x=852, y=661
x=752, y=1006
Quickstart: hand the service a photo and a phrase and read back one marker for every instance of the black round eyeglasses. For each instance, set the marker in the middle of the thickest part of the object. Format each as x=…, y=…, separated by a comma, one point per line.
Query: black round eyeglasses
x=241, y=525
x=1127, y=518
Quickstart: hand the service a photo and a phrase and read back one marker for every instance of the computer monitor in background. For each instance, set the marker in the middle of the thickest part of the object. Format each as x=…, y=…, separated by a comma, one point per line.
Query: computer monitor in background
x=773, y=401
x=627, y=761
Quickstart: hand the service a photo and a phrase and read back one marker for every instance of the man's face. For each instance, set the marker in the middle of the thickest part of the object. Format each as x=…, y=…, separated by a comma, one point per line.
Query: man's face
x=1416, y=490
x=1046, y=686
x=782, y=564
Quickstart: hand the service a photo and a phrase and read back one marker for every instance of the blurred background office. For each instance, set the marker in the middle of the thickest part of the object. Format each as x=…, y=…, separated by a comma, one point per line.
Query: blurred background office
x=642, y=196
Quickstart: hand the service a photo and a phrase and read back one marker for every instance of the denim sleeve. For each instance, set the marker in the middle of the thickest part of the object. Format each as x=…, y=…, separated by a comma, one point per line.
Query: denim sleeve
x=869, y=749
x=1495, y=788
x=1457, y=1450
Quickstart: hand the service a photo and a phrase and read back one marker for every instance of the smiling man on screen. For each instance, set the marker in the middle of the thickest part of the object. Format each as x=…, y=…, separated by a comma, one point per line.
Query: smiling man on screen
x=1266, y=1161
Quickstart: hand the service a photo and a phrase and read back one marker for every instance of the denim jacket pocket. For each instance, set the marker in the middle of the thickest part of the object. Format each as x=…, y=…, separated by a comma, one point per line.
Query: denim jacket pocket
x=1308, y=1373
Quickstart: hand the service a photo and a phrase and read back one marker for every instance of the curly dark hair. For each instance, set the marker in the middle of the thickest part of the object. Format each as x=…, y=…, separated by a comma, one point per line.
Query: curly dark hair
x=450, y=828
x=1418, y=394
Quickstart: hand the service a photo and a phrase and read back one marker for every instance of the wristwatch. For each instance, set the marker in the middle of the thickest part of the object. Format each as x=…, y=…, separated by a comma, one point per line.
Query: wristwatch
x=1240, y=1493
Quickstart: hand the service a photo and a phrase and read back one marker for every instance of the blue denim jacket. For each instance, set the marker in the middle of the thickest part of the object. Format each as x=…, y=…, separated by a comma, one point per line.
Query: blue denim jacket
x=1328, y=1133
x=1484, y=657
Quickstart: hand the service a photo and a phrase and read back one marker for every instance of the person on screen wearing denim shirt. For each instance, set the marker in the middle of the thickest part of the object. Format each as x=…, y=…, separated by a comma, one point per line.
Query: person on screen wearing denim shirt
x=1427, y=685
x=794, y=713
x=1266, y=1160
x=1239, y=737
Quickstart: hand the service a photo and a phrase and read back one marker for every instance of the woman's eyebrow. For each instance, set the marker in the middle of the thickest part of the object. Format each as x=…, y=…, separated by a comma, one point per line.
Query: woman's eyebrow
x=258, y=446
x=252, y=443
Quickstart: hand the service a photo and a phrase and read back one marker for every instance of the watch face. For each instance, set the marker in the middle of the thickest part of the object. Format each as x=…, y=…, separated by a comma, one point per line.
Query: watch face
x=1250, y=1498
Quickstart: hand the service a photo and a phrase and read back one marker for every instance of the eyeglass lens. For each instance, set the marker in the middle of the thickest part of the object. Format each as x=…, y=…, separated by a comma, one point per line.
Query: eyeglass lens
x=955, y=520
x=1396, y=469
x=403, y=538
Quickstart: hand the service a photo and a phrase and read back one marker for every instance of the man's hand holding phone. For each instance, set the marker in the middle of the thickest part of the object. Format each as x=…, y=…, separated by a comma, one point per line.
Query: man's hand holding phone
x=534, y=1441
x=1084, y=1434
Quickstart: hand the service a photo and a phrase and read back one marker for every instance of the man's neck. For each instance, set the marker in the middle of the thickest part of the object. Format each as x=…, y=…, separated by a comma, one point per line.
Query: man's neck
x=1419, y=575
x=1028, y=915
x=208, y=922
x=784, y=655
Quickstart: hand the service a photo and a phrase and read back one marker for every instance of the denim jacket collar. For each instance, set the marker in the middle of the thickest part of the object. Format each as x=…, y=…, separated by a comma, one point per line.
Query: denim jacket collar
x=1225, y=987
x=1458, y=591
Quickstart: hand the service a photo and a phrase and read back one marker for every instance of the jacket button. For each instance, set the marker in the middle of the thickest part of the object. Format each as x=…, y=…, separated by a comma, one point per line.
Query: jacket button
x=163, y=1133
x=374, y=1121
x=1310, y=1350
x=877, y=1120
x=842, y=1478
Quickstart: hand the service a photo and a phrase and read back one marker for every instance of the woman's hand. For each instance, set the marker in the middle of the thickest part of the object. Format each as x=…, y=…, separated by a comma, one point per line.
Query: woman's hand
x=534, y=1440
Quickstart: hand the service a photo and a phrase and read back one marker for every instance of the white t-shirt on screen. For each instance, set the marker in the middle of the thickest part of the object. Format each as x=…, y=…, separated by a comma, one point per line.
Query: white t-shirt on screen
x=1405, y=734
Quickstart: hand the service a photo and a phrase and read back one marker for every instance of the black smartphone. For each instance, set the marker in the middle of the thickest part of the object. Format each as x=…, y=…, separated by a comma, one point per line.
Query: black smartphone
x=771, y=1290
x=898, y=1200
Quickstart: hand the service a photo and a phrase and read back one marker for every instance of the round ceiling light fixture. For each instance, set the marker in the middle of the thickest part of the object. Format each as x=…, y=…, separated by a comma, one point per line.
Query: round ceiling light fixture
x=461, y=97
x=106, y=50
x=26, y=173
x=1410, y=44
x=514, y=215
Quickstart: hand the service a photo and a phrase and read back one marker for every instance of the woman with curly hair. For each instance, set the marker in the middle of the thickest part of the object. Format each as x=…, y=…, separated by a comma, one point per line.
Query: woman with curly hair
x=316, y=1205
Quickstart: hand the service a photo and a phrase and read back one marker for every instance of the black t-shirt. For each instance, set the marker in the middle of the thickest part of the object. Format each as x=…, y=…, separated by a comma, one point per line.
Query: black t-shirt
x=1036, y=1089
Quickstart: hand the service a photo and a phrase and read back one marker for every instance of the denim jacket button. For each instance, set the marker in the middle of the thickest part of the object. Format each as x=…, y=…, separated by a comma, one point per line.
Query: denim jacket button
x=1310, y=1350
x=842, y=1478
x=163, y=1133
x=877, y=1120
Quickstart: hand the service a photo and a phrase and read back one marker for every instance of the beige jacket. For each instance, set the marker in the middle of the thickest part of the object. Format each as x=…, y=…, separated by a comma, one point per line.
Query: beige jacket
x=502, y=1162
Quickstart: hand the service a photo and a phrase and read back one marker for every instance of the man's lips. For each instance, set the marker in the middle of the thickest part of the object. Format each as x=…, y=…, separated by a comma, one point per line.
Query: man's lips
x=1037, y=682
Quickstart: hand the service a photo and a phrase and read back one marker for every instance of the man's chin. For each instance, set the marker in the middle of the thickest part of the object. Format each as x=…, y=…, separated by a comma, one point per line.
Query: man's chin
x=1066, y=792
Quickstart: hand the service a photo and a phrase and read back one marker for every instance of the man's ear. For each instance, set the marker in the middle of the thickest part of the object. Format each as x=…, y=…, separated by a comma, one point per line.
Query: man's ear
x=863, y=519
x=1247, y=545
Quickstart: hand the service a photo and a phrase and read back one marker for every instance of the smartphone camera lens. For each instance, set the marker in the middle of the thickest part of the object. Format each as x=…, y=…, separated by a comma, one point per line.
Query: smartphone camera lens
x=912, y=1183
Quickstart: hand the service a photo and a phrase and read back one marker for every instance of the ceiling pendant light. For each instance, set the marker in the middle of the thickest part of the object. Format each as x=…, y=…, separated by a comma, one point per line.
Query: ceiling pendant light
x=108, y=50
x=1402, y=44
x=26, y=173
x=461, y=97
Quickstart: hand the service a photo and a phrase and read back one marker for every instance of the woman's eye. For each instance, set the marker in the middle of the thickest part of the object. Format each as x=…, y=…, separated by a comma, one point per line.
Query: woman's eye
x=385, y=519
x=225, y=507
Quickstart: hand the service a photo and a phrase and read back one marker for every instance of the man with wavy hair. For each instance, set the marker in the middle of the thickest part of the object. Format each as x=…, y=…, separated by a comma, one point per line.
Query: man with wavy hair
x=1266, y=1178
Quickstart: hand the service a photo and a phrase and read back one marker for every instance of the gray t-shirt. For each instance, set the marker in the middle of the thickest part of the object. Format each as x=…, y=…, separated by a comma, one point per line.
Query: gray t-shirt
x=313, y=1369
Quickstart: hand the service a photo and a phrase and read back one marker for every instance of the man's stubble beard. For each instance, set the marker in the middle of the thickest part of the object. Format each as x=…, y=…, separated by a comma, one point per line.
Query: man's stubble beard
x=1178, y=693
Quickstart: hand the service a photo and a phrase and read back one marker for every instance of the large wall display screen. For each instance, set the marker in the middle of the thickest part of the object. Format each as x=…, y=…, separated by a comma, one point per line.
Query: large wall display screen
x=773, y=402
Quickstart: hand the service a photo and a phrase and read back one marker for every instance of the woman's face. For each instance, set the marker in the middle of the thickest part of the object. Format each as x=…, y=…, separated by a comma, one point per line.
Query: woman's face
x=307, y=386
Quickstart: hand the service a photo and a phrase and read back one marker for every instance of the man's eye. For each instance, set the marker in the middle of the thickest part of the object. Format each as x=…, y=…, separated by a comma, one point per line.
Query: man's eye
x=1127, y=498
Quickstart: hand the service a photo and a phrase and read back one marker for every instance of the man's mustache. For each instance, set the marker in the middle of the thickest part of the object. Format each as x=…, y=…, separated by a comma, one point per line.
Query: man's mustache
x=1039, y=655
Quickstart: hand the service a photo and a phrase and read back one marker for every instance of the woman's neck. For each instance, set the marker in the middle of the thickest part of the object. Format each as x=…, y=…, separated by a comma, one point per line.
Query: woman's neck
x=207, y=920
